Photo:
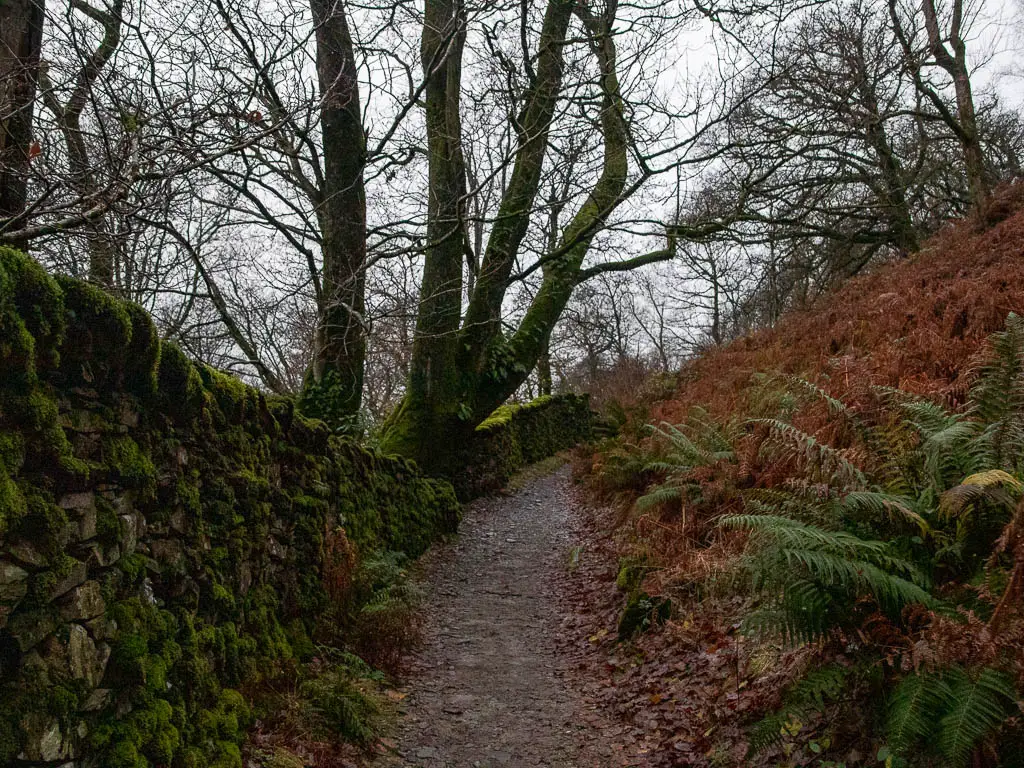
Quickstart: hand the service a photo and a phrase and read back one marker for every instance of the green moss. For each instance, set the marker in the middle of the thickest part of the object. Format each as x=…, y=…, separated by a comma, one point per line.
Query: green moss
x=187, y=493
x=221, y=727
x=223, y=600
x=132, y=565
x=234, y=400
x=99, y=333
x=129, y=463
x=514, y=436
x=10, y=737
x=143, y=358
x=242, y=469
x=282, y=409
x=13, y=506
x=35, y=415
x=17, y=354
x=262, y=623
x=12, y=451
x=144, y=737
x=43, y=583
x=179, y=384
x=44, y=524
x=38, y=301
x=298, y=637
x=108, y=525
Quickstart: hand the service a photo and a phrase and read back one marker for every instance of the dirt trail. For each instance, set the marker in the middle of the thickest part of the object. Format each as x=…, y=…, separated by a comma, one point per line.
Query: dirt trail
x=491, y=687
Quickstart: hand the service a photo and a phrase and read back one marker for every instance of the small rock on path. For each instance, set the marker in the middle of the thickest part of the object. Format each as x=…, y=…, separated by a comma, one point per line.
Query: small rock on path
x=490, y=688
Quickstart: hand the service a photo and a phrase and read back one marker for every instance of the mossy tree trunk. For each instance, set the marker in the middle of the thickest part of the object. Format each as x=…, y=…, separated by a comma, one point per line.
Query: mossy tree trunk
x=21, y=36
x=544, y=379
x=434, y=380
x=104, y=252
x=462, y=372
x=334, y=385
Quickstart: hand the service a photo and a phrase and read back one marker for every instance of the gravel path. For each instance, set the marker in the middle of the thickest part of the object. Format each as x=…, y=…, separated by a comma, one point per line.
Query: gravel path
x=491, y=687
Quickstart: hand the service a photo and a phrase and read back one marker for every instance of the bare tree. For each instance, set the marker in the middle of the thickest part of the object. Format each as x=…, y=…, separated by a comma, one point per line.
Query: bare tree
x=944, y=46
x=21, y=34
x=84, y=172
x=465, y=365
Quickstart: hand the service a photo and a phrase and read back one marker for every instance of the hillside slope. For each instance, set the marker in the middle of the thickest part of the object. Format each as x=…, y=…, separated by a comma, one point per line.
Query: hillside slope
x=917, y=324
x=820, y=537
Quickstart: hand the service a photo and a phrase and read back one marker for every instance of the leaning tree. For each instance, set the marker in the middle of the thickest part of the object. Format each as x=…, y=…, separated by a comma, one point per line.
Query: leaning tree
x=468, y=359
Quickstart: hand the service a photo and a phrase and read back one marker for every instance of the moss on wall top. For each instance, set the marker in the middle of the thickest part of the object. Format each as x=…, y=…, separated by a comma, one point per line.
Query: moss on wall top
x=162, y=533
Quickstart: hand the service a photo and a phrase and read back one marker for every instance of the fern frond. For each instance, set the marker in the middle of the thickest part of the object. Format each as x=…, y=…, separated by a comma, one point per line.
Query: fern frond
x=952, y=709
x=912, y=709
x=956, y=501
x=895, y=397
x=812, y=693
x=793, y=533
x=810, y=577
x=994, y=477
x=660, y=495
x=879, y=504
x=707, y=446
x=997, y=398
x=716, y=437
x=815, y=457
x=808, y=390
x=662, y=466
x=926, y=417
x=978, y=707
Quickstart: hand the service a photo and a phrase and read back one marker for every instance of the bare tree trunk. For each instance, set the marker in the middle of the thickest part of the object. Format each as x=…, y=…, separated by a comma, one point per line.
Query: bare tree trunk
x=334, y=386
x=21, y=35
x=432, y=396
x=444, y=35
x=955, y=65
x=544, y=371
x=103, y=250
x=964, y=123
x=894, y=188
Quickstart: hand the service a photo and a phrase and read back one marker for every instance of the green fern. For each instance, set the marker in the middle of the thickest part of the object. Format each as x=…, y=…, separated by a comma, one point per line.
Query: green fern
x=336, y=703
x=997, y=398
x=978, y=706
x=994, y=488
x=912, y=708
x=809, y=577
x=697, y=442
x=952, y=709
x=807, y=390
x=661, y=494
x=876, y=505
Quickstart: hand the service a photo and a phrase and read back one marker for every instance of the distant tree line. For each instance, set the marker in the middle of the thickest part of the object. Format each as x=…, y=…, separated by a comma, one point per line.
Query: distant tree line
x=405, y=212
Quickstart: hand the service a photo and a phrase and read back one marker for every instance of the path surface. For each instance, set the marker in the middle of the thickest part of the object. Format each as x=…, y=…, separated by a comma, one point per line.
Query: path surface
x=490, y=687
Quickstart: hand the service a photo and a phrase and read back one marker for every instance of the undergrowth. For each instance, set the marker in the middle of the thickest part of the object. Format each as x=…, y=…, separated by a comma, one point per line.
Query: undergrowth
x=339, y=697
x=883, y=532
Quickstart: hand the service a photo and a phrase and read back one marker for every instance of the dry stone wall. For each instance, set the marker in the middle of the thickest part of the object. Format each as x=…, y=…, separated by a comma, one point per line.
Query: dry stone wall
x=517, y=435
x=162, y=533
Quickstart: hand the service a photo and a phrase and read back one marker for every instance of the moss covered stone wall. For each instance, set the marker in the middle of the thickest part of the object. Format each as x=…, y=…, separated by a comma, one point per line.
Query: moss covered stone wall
x=517, y=435
x=162, y=533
